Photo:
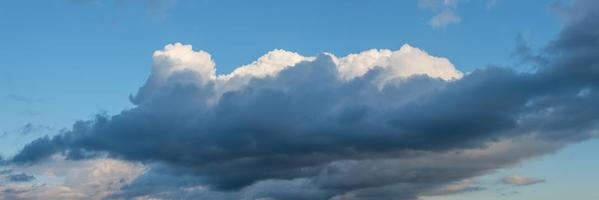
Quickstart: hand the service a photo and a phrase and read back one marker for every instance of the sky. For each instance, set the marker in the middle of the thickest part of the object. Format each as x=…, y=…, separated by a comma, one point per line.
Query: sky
x=417, y=99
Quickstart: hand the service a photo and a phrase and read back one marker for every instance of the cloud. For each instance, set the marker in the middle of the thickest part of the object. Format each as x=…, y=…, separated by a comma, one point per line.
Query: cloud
x=405, y=62
x=379, y=124
x=526, y=55
x=466, y=185
x=29, y=128
x=172, y=64
x=161, y=8
x=520, y=181
x=5, y=171
x=22, y=177
x=445, y=18
x=33, y=128
x=446, y=12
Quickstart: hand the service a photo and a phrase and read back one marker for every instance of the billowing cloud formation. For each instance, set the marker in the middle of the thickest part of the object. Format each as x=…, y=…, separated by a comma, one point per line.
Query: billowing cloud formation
x=179, y=63
x=520, y=180
x=379, y=124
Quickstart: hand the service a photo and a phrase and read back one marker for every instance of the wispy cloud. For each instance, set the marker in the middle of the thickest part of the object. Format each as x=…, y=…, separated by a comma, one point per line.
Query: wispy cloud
x=22, y=177
x=34, y=128
x=30, y=128
x=445, y=18
x=462, y=186
x=521, y=181
x=23, y=99
x=446, y=12
x=492, y=4
x=524, y=53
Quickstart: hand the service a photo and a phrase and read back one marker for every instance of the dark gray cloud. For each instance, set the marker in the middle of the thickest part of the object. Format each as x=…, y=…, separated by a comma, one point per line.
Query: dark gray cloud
x=304, y=134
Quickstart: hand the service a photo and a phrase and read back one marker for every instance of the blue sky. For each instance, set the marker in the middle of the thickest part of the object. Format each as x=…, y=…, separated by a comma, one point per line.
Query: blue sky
x=63, y=61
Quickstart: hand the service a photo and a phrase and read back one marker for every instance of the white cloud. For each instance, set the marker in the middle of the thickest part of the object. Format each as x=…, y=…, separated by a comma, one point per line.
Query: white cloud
x=405, y=62
x=402, y=63
x=178, y=57
x=267, y=65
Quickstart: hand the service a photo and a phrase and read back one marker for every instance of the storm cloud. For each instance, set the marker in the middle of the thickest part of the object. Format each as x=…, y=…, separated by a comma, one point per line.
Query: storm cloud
x=379, y=124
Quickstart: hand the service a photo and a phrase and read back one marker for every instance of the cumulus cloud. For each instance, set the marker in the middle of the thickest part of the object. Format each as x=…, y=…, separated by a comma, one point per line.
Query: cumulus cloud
x=180, y=64
x=405, y=62
x=520, y=180
x=380, y=124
